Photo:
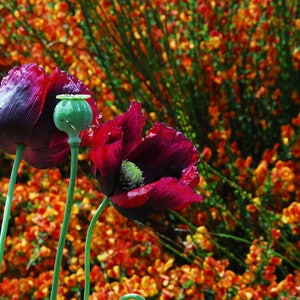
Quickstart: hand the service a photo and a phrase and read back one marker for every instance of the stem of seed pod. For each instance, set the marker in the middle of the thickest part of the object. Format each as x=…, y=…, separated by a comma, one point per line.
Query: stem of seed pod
x=87, y=251
x=8, y=202
x=64, y=230
x=71, y=115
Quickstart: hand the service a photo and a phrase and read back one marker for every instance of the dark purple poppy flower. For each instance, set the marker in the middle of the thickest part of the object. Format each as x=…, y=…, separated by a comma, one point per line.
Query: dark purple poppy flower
x=27, y=101
x=144, y=175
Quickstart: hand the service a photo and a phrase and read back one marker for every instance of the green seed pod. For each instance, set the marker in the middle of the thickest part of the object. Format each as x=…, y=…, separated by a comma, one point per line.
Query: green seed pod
x=131, y=175
x=72, y=115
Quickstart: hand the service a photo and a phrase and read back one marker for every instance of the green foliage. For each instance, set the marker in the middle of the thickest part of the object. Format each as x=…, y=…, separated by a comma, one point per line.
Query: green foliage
x=180, y=64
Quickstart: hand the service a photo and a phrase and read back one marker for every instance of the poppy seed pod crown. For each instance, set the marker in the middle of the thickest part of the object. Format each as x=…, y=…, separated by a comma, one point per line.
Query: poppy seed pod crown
x=72, y=115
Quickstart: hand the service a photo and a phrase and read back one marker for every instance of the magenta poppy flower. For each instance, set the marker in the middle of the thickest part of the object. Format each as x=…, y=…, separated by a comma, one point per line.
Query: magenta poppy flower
x=144, y=175
x=27, y=101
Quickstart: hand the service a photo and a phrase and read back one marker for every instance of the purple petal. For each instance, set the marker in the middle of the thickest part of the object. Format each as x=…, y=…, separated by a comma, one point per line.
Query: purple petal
x=167, y=193
x=46, y=157
x=64, y=83
x=48, y=146
x=22, y=97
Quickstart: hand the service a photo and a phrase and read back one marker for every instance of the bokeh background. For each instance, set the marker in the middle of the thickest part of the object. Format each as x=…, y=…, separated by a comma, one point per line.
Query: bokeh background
x=226, y=74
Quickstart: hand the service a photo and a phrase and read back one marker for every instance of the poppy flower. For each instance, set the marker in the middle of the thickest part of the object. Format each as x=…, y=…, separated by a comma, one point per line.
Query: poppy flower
x=140, y=175
x=27, y=102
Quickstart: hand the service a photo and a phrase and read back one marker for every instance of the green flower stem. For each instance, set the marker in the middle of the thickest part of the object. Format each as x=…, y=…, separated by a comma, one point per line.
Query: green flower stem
x=87, y=250
x=64, y=230
x=132, y=296
x=87, y=255
x=8, y=202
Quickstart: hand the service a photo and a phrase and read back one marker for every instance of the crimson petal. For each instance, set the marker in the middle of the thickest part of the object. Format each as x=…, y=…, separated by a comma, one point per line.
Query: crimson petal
x=164, y=152
x=190, y=176
x=107, y=156
x=132, y=123
x=112, y=142
x=166, y=193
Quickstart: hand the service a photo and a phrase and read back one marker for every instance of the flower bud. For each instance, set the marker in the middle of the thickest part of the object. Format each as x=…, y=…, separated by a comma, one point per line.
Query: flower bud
x=72, y=115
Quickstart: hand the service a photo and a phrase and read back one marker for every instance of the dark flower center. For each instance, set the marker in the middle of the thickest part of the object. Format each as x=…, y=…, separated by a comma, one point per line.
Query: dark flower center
x=131, y=176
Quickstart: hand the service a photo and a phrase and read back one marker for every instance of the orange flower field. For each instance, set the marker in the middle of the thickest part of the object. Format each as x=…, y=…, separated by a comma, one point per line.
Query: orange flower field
x=224, y=73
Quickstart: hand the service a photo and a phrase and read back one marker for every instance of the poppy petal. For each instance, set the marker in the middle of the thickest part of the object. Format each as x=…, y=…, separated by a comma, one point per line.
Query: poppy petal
x=22, y=97
x=132, y=123
x=46, y=157
x=64, y=83
x=47, y=145
x=190, y=176
x=107, y=156
x=111, y=142
x=164, y=152
x=166, y=193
